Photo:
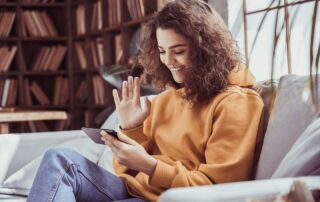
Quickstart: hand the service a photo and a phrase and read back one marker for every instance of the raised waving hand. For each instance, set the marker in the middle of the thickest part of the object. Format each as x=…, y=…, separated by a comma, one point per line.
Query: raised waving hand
x=129, y=110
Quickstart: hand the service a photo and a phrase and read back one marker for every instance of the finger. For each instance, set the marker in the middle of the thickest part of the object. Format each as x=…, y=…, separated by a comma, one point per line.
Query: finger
x=147, y=109
x=108, y=144
x=104, y=139
x=116, y=97
x=130, y=87
x=111, y=140
x=124, y=90
x=114, y=150
x=126, y=139
x=136, y=92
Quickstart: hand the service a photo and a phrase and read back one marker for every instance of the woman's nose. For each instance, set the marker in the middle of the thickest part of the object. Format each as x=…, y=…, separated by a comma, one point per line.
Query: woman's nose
x=169, y=59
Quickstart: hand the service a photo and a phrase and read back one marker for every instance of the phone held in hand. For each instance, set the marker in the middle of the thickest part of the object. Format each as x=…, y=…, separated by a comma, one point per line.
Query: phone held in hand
x=94, y=134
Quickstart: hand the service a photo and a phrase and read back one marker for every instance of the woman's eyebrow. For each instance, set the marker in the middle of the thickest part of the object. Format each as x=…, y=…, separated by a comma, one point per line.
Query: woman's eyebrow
x=174, y=46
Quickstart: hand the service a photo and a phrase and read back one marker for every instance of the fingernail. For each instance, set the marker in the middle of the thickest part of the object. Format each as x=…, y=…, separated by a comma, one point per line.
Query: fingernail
x=103, y=133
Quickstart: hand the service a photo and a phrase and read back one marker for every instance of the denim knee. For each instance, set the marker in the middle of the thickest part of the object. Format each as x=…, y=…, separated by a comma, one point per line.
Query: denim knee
x=60, y=153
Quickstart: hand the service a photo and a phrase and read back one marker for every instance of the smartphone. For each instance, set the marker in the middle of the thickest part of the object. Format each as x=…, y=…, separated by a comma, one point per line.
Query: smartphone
x=94, y=134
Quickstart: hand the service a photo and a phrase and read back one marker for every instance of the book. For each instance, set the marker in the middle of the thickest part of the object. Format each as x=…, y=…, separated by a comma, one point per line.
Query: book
x=13, y=88
x=79, y=46
x=39, y=94
x=6, y=23
x=27, y=95
x=12, y=52
x=80, y=17
x=7, y=54
x=51, y=29
x=41, y=126
x=48, y=59
x=94, y=52
x=29, y=24
x=100, y=51
x=57, y=90
x=57, y=58
x=94, y=17
x=64, y=95
x=82, y=92
x=32, y=126
x=5, y=92
x=118, y=48
x=62, y=124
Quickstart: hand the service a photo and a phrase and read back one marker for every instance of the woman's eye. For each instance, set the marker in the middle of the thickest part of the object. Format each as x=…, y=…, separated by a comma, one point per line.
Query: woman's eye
x=162, y=52
x=179, y=52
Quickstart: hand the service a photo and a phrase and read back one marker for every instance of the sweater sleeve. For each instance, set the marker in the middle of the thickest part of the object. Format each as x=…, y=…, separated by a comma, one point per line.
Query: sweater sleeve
x=137, y=134
x=229, y=149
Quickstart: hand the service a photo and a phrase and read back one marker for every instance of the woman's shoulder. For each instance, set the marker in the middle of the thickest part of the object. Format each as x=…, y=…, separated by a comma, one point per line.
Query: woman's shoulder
x=168, y=93
x=241, y=90
x=233, y=93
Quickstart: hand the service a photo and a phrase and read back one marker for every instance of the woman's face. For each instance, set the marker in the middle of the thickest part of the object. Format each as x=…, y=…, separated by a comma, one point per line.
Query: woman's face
x=174, y=53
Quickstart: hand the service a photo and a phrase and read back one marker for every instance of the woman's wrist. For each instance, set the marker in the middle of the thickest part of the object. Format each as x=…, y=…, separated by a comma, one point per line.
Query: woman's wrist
x=121, y=127
x=150, y=166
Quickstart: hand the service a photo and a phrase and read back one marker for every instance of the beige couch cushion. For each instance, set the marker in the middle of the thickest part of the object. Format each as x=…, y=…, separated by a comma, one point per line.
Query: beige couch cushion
x=291, y=114
x=303, y=159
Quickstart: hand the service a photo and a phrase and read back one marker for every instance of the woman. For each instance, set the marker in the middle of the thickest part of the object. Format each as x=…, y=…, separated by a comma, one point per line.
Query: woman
x=200, y=131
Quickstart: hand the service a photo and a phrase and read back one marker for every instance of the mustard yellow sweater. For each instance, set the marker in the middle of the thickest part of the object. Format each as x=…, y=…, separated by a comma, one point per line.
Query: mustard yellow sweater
x=197, y=145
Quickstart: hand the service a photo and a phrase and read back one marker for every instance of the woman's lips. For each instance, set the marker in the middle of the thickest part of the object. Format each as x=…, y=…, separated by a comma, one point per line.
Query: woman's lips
x=176, y=69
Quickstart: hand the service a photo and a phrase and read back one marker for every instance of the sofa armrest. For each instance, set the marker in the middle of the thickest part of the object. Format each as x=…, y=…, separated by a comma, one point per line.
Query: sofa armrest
x=238, y=191
x=16, y=150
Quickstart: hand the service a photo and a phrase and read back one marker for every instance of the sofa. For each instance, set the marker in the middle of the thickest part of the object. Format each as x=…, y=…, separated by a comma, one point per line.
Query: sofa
x=289, y=149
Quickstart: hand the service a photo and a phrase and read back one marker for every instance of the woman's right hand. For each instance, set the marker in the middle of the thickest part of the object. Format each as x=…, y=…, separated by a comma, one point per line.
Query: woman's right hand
x=129, y=110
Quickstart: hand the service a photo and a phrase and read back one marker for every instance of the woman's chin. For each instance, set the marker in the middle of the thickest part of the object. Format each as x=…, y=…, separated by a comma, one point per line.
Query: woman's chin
x=178, y=80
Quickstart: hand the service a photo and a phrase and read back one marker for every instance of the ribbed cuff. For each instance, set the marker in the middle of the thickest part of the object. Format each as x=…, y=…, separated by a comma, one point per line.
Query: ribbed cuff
x=163, y=175
x=134, y=133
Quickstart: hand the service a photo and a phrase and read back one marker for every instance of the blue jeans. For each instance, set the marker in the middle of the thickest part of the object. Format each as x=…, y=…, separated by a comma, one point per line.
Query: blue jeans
x=65, y=175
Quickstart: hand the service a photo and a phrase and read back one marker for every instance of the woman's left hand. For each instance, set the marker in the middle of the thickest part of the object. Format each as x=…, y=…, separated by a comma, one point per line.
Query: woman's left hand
x=130, y=153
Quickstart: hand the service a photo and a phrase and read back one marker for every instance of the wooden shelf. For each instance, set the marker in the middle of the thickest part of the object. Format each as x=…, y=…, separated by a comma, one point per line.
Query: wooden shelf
x=45, y=39
x=43, y=107
x=43, y=5
x=45, y=73
x=28, y=115
x=79, y=71
x=81, y=106
x=9, y=39
x=9, y=73
x=8, y=5
x=98, y=106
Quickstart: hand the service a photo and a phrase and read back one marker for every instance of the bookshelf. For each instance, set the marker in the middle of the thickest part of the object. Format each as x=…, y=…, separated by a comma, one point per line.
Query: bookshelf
x=52, y=50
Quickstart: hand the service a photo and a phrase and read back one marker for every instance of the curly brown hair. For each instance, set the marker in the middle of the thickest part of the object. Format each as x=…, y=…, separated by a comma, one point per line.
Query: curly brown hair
x=213, y=51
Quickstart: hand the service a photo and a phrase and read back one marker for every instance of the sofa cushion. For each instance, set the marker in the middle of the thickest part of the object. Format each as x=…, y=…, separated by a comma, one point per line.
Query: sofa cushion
x=267, y=91
x=15, y=149
x=12, y=198
x=21, y=181
x=111, y=122
x=303, y=159
x=291, y=114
